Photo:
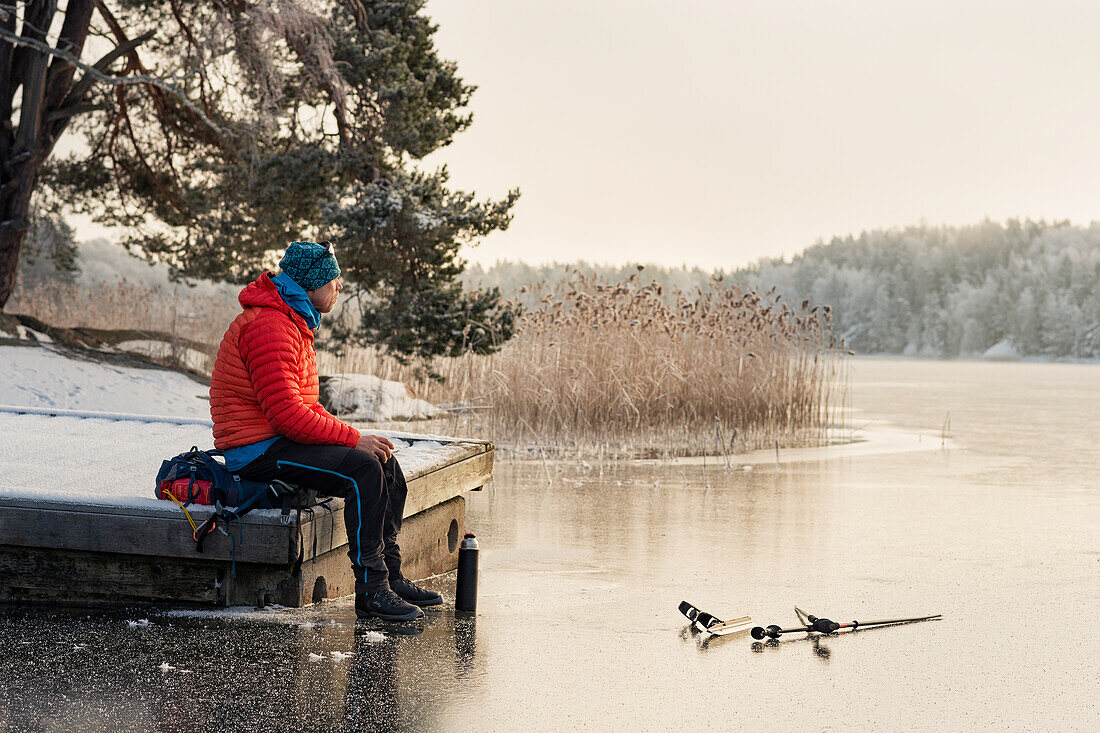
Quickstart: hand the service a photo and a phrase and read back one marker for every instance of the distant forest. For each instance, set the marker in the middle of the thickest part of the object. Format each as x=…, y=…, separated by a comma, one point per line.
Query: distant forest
x=1009, y=290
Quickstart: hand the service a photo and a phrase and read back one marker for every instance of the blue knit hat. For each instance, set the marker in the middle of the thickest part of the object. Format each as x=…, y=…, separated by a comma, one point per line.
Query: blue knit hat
x=309, y=264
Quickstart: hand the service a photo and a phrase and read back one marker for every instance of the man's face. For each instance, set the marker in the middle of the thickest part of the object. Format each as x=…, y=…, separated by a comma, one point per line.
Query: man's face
x=324, y=298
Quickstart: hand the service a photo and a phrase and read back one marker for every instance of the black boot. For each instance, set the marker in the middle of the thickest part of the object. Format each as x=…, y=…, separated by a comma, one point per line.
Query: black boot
x=386, y=605
x=413, y=593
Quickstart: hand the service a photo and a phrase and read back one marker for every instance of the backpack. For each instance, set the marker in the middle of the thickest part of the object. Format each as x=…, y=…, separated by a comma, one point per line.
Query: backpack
x=198, y=477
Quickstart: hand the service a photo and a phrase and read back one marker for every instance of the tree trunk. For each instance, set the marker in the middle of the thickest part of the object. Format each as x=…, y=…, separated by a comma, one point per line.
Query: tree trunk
x=45, y=81
x=14, y=220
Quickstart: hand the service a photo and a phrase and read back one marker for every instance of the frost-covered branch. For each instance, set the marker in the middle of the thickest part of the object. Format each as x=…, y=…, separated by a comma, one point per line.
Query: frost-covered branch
x=95, y=73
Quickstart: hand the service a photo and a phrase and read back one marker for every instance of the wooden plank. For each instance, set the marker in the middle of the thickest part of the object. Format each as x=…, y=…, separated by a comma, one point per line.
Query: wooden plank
x=430, y=540
x=45, y=575
x=443, y=457
x=449, y=455
x=158, y=509
x=137, y=535
x=85, y=578
x=429, y=546
x=445, y=483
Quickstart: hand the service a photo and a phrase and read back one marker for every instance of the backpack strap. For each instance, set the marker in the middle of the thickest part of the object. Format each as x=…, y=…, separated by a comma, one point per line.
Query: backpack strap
x=288, y=495
x=203, y=530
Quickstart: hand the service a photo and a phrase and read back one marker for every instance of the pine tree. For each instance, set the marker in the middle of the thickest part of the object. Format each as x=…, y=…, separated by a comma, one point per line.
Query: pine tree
x=221, y=130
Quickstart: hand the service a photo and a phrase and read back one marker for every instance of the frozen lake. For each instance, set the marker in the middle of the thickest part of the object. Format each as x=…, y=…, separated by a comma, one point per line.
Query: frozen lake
x=985, y=508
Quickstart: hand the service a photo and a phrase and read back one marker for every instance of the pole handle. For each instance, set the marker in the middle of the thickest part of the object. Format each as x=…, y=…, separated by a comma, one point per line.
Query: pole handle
x=822, y=625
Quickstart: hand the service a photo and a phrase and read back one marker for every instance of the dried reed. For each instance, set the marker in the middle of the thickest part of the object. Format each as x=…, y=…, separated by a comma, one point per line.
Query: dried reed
x=618, y=369
x=168, y=309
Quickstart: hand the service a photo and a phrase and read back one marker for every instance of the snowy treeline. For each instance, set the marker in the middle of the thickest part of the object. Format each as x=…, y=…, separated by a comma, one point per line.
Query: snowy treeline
x=520, y=280
x=1013, y=289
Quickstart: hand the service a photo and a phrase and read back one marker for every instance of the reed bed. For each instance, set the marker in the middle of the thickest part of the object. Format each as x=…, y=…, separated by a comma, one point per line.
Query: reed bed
x=626, y=369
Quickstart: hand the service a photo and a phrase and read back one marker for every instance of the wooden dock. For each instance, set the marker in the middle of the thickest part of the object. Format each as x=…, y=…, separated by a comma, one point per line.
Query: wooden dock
x=79, y=553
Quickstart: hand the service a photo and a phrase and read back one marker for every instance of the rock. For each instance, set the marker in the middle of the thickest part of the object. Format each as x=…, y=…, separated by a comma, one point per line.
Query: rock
x=368, y=398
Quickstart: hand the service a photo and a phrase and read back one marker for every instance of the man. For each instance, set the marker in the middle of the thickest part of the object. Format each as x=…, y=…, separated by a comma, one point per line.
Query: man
x=267, y=420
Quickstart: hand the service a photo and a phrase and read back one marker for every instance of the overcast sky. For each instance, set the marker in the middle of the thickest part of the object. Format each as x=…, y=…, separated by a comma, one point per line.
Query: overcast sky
x=716, y=132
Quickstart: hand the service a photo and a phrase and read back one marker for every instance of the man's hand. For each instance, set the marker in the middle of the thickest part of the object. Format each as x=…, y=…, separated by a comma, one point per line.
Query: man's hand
x=380, y=447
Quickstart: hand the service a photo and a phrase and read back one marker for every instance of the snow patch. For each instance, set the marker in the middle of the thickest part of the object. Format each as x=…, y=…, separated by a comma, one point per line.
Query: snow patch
x=35, y=376
x=374, y=637
x=107, y=459
x=1003, y=349
x=28, y=334
x=58, y=412
x=275, y=613
x=341, y=656
x=369, y=398
x=139, y=624
x=315, y=657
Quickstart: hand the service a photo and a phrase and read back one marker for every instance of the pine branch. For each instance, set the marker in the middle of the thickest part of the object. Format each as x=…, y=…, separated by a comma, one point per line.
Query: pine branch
x=99, y=76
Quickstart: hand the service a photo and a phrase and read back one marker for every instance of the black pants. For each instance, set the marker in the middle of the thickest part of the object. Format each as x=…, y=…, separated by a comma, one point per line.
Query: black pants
x=373, y=494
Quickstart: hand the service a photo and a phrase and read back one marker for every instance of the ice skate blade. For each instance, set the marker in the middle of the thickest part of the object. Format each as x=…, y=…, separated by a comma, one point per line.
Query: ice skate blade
x=733, y=626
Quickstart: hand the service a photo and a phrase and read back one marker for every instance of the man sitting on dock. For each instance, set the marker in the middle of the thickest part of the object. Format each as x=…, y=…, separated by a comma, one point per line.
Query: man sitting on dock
x=268, y=421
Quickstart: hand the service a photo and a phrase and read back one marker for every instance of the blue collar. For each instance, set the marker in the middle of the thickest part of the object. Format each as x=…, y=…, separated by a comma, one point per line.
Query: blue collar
x=295, y=296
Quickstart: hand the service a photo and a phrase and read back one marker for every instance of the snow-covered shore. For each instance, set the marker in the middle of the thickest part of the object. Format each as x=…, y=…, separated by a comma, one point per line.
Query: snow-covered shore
x=90, y=432
x=39, y=376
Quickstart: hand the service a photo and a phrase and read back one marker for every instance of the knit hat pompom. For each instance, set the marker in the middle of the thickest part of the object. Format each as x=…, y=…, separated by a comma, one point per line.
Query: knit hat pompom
x=309, y=264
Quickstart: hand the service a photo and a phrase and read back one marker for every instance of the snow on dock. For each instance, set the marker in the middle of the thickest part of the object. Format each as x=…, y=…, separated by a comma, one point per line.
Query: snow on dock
x=88, y=432
x=112, y=459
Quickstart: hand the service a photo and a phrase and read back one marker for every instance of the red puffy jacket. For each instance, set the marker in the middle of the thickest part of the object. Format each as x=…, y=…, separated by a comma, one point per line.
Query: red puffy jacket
x=265, y=377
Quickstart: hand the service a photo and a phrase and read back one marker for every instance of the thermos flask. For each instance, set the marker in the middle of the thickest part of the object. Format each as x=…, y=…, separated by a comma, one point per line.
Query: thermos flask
x=466, y=584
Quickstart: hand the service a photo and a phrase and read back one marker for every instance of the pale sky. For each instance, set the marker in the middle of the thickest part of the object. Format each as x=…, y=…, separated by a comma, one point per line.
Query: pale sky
x=716, y=132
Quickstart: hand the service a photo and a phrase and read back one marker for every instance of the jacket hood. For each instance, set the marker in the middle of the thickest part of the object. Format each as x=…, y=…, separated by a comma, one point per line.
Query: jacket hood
x=263, y=293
